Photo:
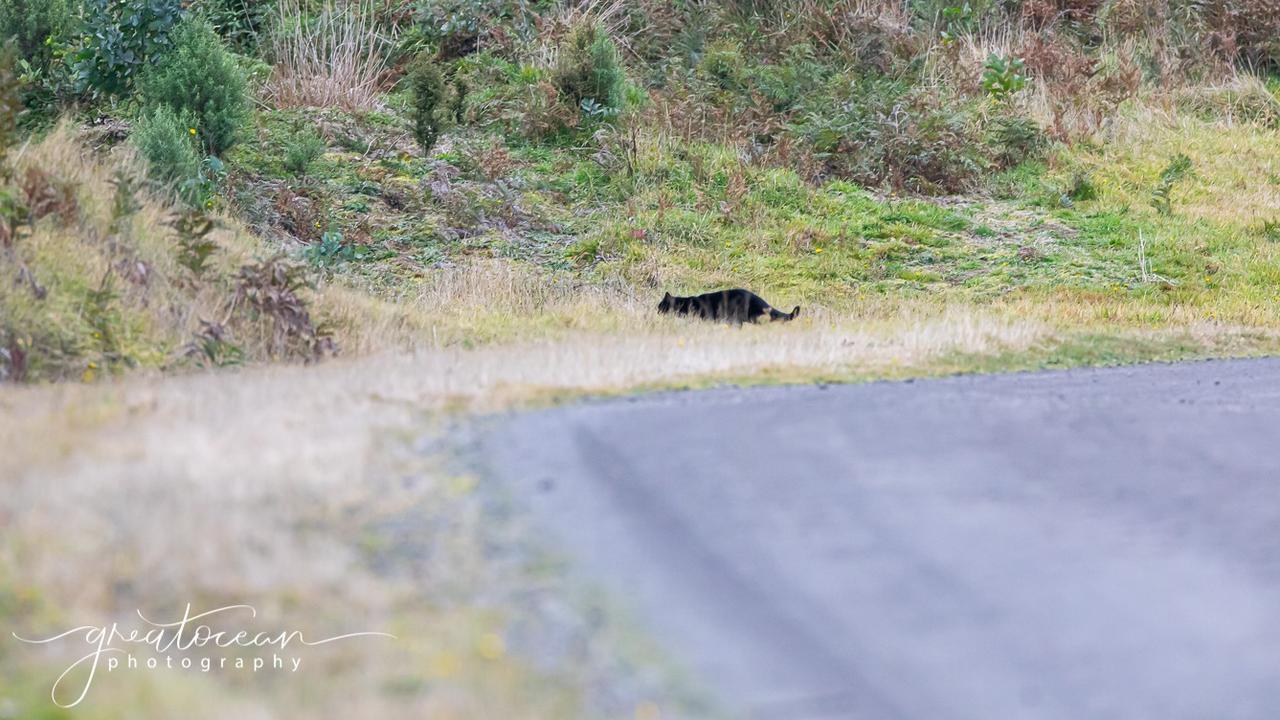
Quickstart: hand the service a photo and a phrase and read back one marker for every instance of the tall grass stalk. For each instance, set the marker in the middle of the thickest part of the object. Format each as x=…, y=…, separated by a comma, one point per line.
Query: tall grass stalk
x=334, y=58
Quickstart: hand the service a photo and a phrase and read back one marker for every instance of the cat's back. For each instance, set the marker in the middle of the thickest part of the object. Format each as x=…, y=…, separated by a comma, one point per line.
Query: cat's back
x=730, y=294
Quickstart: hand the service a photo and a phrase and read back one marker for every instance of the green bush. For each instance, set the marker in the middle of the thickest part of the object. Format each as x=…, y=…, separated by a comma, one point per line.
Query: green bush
x=457, y=27
x=122, y=37
x=788, y=83
x=200, y=77
x=1178, y=169
x=722, y=65
x=589, y=72
x=1013, y=139
x=512, y=98
x=884, y=132
x=241, y=23
x=164, y=138
x=427, y=84
x=38, y=27
x=41, y=31
x=10, y=107
x=1002, y=76
x=301, y=150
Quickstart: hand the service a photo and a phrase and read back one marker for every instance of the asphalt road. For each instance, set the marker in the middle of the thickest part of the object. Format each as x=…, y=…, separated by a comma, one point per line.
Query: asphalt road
x=1083, y=544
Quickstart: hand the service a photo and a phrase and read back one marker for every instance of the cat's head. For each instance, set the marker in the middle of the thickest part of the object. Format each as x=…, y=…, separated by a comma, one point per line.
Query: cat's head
x=668, y=302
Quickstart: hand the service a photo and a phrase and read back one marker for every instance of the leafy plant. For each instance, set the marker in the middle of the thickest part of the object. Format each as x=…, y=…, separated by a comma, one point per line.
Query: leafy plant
x=302, y=149
x=959, y=18
x=455, y=26
x=1178, y=169
x=212, y=347
x=167, y=142
x=723, y=65
x=878, y=131
x=427, y=84
x=272, y=290
x=121, y=37
x=41, y=30
x=199, y=78
x=459, y=104
x=195, y=247
x=10, y=103
x=333, y=250
x=595, y=111
x=1003, y=76
x=796, y=78
x=103, y=317
x=14, y=215
x=13, y=357
x=240, y=23
x=588, y=68
x=37, y=27
x=200, y=191
x=124, y=202
x=1082, y=188
x=1015, y=139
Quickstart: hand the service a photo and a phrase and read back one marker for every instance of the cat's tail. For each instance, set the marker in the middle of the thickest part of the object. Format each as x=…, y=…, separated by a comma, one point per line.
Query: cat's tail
x=776, y=314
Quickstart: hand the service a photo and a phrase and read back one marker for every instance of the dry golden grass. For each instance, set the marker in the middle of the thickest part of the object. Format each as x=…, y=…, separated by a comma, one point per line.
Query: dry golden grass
x=260, y=485
x=338, y=59
x=1236, y=179
x=268, y=484
x=154, y=304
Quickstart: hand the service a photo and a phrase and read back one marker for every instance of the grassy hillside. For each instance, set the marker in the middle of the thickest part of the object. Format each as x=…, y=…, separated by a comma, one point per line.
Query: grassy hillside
x=1099, y=166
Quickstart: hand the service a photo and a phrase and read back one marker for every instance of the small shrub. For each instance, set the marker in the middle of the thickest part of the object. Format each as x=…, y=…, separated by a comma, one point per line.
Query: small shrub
x=125, y=36
x=200, y=78
x=212, y=347
x=41, y=31
x=427, y=85
x=459, y=27
x=723, y=66
x=1002, y=77
x=1251, y=28
x=1269, y=230
x=332, y=250
x=13, y=212
x=589, y=69
x=165, y=139
x=1178, y=169
x=195, y=247
x=1015, y=139
x=271, y=290
x=1082, y=188
x=788, y=83
x=882, y=132
x=43, y=195
x=10, y=102
x=101, y=312
x=39, y=27
x=239, y=22
x=201, y=191
x=458, y=108
x=124, y=200
x=304, y=148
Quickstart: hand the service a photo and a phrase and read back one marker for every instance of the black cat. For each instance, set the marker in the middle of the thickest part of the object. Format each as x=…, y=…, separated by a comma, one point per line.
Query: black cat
x=735, y=306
